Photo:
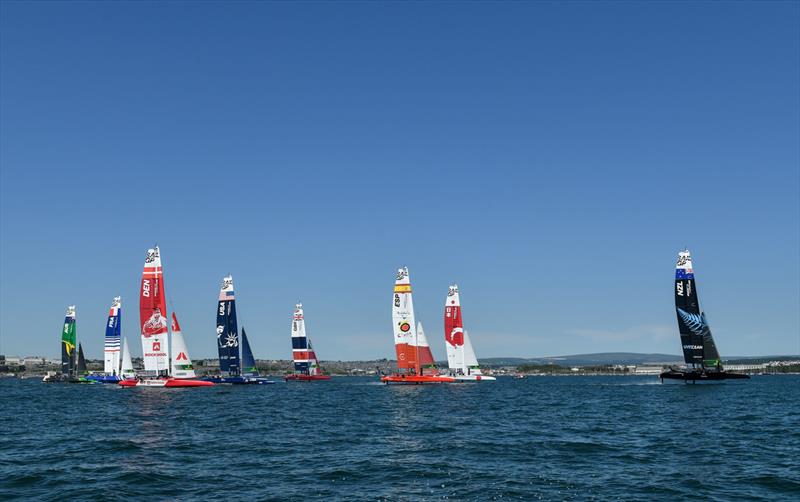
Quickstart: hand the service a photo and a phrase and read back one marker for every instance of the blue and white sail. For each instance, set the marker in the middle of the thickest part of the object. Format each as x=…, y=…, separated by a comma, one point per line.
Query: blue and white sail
x=227, y=330
x=113, y=338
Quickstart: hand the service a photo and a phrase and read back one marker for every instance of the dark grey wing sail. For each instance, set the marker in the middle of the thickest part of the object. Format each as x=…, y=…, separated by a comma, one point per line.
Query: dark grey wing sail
x=698, y=345
x=81, y=361
x=227, y=330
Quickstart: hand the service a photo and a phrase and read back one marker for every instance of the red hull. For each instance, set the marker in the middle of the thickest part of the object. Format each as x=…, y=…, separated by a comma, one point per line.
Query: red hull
x=306, y=378
x=168, y=382
x=416, y=379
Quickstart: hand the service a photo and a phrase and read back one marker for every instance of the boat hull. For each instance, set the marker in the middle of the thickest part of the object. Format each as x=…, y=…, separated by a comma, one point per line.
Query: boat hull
x=65, y=379
x=165, y=382
x=104, y=378
x=416, y=379
x=306, y=378
x=689, y=375
x=474, y=378
x=238, y=380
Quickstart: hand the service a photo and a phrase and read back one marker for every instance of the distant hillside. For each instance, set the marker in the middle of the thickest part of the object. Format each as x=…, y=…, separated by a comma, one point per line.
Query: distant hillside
x=587, y=359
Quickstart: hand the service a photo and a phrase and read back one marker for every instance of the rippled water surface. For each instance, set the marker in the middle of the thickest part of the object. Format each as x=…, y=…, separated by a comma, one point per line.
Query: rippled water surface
x=550, y=438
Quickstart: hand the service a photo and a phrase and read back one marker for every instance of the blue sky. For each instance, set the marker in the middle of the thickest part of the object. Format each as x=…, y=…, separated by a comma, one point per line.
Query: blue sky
x=550, y=158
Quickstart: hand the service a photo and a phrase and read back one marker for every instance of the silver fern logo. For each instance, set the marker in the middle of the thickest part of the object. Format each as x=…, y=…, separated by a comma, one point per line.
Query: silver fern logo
x=696, y=323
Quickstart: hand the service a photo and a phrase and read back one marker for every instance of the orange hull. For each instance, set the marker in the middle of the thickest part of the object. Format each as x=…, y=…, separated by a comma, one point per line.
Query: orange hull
x=416, y=379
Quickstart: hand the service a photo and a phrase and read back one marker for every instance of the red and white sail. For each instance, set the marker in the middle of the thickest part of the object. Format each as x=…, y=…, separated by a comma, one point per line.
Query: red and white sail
x=153, y=315
x=453, y=330
x=403, y=323
x=426, y=360
x=181, y=362
x=303, y=355
x=461, y=357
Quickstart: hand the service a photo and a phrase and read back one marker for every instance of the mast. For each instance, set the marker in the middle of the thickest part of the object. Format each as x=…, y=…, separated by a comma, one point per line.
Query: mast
x=111, y=353
x=152, y=315
x=699, y=349
x=68, y=339
x=227, y=330
x=403, y=323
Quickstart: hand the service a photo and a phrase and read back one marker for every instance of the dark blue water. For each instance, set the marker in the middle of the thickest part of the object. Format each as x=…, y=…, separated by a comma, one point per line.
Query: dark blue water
x=550, y=438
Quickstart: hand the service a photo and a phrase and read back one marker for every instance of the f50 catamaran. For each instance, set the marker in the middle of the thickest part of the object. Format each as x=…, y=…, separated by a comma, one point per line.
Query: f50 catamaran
x=699, y=350
x=230, y=364
x=407, y=340
x=306, y=365
x=461, y=358
x=73, y=365
x=155, y=334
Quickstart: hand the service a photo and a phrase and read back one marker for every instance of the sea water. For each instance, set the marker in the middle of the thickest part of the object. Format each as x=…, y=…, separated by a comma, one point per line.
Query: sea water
x=549, y=438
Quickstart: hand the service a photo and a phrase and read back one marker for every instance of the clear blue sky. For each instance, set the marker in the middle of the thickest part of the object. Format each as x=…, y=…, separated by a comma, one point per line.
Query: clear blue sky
x=551, y=158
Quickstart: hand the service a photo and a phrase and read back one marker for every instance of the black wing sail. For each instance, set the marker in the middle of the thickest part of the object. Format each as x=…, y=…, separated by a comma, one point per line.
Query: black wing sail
x=698, y=345
x=81, y=361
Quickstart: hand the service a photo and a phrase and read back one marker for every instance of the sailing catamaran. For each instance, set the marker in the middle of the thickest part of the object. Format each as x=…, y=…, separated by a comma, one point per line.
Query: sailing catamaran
x=306, y=365
x=407, y=344
x=460, y=355
x=111, y=352
x=699, y=350
x=67, y=350
x=230, y=368
x=72, y=367
x=155, y=335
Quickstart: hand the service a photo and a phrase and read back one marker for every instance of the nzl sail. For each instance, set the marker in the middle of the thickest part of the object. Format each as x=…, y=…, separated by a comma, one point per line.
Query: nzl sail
x=699, y=349
x=181, y=362
x=152, y=315
x=227, y=330
x=404, y=325
x=68, y=339
x=303, y=355
x=111, y=352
